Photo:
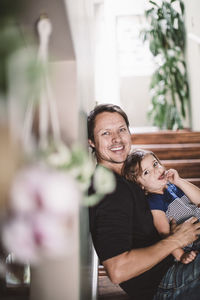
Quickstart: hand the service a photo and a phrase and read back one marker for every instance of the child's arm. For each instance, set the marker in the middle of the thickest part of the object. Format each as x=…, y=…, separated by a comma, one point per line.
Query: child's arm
x=162, y=225
x=161, y=222
x=189, y=189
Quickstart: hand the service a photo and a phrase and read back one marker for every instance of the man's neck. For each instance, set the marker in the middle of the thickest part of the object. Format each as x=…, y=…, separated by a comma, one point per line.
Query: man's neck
x=115, y=167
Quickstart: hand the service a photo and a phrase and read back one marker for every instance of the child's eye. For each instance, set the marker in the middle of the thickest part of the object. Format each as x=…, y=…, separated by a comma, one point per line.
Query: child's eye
x=155, y=163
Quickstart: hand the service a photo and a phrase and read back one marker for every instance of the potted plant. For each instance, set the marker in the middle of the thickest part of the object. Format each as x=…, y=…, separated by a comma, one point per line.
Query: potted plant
x=169, y=85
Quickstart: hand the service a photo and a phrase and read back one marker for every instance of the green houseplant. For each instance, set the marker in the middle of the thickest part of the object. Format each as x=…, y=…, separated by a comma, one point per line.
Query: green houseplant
x=169, y=86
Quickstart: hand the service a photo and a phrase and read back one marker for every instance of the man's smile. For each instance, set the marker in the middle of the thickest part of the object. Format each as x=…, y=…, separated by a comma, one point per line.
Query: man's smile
x=117, y=148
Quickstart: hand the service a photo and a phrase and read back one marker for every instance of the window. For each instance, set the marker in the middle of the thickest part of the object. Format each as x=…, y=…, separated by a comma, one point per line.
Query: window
x=134, y=56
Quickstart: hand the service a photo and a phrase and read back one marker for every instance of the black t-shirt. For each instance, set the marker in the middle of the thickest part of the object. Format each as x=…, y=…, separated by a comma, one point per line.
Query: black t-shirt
x=120, y=222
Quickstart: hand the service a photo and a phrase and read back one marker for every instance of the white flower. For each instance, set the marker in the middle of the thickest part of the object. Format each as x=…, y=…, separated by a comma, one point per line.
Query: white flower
x=161, y=72
x=163, y=24
x=61, y=157
x=161, y=83
x=176, y=6
x=104, y=180
x=159, y=2
x=178, y=49
x=82, y=172
x=152, y=92
x=181, y=69
x=161, y=99
x=150, y=108
x=175, y=25
x=160, y=60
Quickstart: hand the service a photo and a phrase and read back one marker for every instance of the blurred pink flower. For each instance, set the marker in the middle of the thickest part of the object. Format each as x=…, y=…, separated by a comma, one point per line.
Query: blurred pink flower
x=18, y=239
x=41, y=188
x=43, y=204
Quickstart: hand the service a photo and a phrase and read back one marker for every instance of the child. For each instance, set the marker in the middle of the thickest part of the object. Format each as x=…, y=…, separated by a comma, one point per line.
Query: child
x=168, y=195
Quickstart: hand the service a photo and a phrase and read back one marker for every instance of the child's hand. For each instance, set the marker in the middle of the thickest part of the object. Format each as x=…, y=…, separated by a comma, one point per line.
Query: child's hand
x=173, y=176
x=187, y=257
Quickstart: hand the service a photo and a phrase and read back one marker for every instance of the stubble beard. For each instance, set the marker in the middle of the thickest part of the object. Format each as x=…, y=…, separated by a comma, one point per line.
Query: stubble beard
x=101, y=159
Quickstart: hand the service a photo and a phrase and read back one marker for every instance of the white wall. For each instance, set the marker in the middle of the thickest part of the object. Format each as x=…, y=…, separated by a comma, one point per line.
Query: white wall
x=65, y=89
x=111, y=86
x=135, y=99
x=192, y=9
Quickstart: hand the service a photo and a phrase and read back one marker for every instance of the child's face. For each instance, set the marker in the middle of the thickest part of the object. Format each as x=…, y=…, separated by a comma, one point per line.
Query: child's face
x=153, y=177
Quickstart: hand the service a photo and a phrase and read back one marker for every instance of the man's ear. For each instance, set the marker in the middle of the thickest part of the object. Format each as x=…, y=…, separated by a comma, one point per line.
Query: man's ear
x=91, y=144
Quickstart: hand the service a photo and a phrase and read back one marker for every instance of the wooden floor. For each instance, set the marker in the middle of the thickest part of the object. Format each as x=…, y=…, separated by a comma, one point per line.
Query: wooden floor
x=14, y=294
x=106, y=291
x=109, y=291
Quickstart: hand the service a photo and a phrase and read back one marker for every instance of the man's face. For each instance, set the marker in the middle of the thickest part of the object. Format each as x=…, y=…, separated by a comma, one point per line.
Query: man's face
x=112, y=140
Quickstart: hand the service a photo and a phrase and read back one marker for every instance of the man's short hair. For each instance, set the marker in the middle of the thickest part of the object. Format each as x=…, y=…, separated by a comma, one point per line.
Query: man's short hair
x=100, y=109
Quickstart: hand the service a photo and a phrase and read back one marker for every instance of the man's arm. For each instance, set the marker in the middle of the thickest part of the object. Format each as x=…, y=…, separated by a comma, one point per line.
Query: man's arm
x=137, y=261
x=162, y=225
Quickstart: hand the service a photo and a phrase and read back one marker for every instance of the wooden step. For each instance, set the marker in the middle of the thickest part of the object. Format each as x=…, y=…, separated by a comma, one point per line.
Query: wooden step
x=110, y=291
x=187, y=168
x=166, y=137
x=173, y=151
x=101, y=271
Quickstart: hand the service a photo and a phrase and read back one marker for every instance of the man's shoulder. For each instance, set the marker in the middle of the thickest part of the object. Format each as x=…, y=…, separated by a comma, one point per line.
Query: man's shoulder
x=130, y=185
x=125, y=191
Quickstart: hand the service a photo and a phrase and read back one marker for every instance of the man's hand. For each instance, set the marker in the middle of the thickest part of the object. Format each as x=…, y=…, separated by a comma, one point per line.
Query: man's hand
x=185, y=233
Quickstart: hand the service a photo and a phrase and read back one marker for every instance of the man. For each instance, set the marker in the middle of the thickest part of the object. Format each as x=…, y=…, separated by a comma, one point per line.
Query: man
x=121, y=225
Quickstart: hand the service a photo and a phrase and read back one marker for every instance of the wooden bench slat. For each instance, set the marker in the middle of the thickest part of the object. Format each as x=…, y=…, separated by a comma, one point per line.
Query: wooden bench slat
x=166, y=137
x=172, y=151
x=187, y=168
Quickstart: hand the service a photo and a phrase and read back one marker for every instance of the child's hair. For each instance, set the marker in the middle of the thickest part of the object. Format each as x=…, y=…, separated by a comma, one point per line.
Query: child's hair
x=132, y=165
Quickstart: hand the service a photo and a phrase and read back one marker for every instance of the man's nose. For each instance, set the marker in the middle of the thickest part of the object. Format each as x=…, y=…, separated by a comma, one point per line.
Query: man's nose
x=116, y=136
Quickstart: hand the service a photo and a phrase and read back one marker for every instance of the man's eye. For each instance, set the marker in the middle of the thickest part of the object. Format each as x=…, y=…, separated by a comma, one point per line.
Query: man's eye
x=105, y=133
x=122, y=129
